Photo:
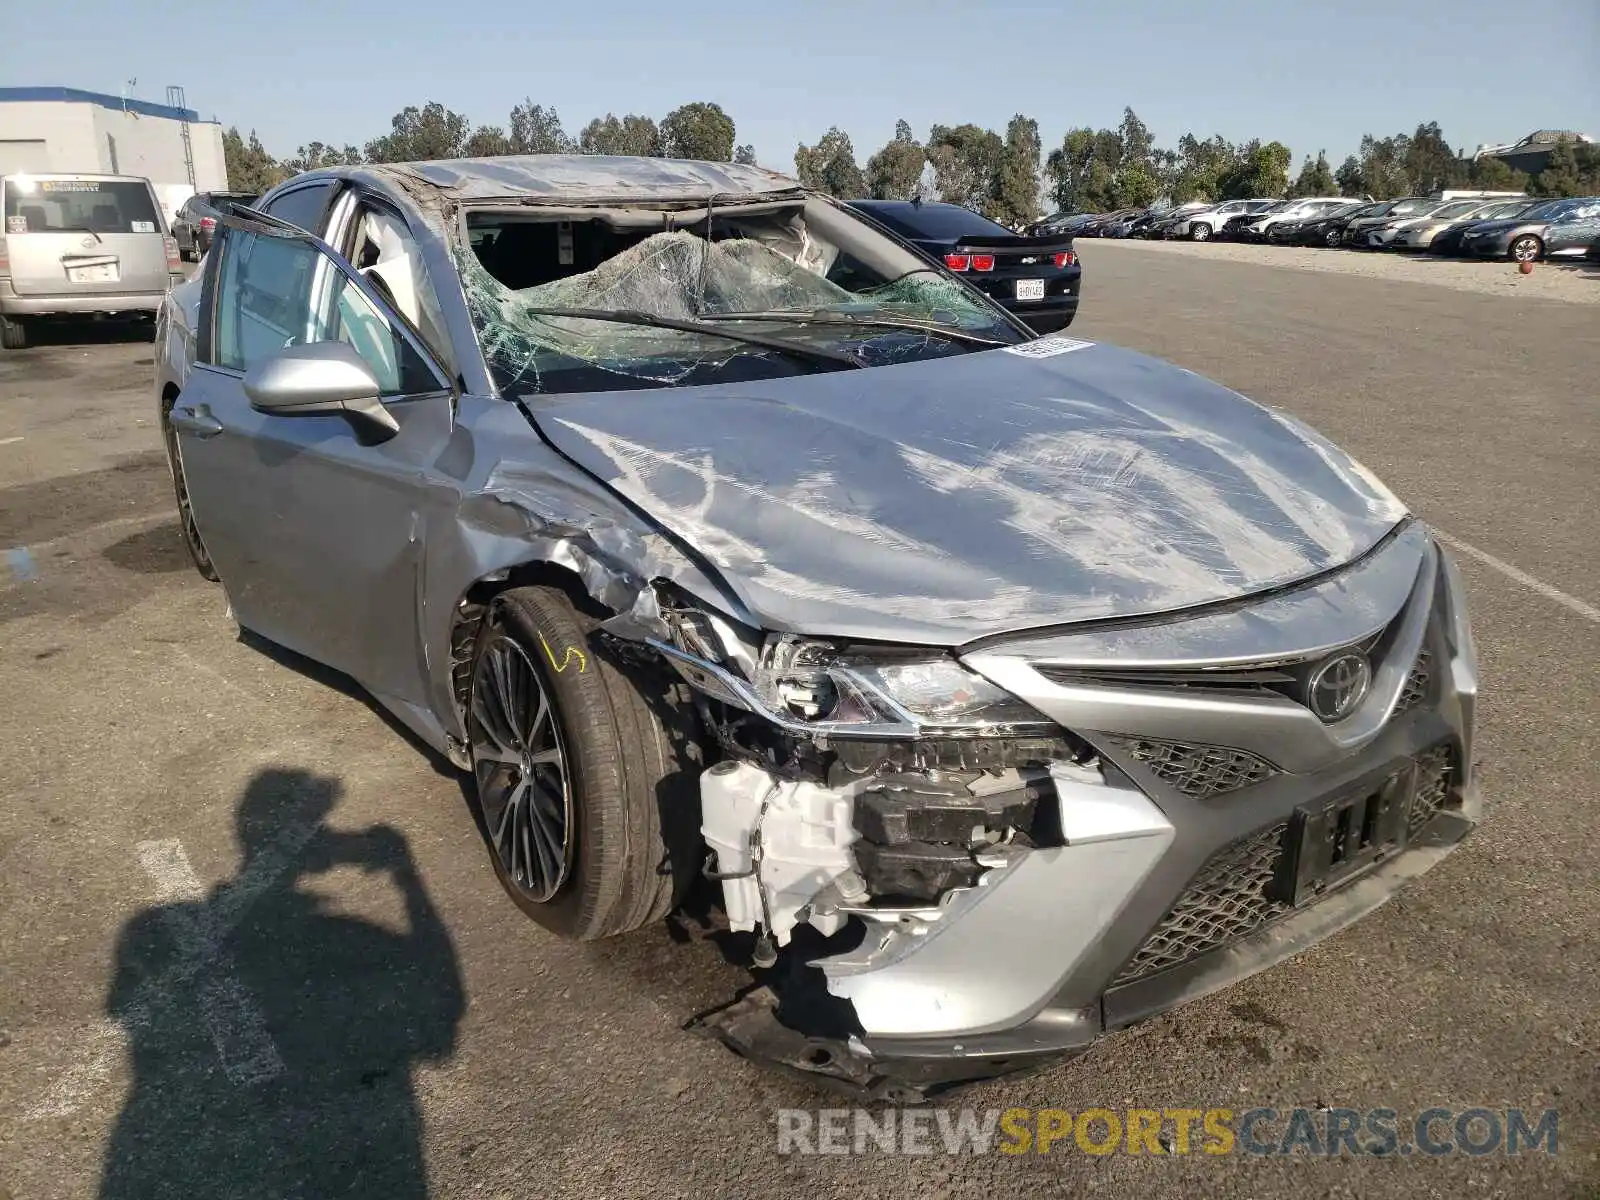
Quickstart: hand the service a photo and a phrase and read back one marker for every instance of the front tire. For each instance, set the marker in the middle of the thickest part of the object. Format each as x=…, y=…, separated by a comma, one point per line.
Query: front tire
x=1526, y=248
x=1199, y=232
x=582, y=771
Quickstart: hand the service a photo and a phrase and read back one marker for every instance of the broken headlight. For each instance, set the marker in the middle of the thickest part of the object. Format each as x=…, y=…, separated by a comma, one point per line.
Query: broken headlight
x=894, y=694
x=815, y=688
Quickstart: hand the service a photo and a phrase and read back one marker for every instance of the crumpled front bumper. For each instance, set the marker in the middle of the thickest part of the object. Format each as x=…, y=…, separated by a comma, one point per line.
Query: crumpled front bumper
x=1059, y=945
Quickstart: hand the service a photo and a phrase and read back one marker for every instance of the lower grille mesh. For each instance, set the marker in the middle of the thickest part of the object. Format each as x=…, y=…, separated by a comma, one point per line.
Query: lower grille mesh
x=1434, y=769
x=1197, y=771
x=1416, y=688
x=1226, y=901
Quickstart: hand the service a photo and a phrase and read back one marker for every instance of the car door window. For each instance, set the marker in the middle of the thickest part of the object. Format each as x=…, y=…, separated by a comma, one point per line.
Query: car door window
x=304, y=207
x=273, y=292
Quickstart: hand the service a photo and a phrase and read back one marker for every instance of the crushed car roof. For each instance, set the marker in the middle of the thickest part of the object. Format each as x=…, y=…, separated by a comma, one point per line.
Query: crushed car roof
x=587, y=176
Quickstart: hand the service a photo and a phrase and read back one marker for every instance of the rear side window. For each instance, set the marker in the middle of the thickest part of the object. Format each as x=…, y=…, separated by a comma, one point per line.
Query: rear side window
x=938, y=221
x=37, y=205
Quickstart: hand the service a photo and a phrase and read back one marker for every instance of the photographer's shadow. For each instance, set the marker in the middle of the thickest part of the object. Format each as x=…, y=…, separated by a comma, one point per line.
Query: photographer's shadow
x=272, y=1040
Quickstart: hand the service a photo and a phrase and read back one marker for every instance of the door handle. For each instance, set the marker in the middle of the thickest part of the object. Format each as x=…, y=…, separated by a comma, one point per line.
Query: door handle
x=196, y=421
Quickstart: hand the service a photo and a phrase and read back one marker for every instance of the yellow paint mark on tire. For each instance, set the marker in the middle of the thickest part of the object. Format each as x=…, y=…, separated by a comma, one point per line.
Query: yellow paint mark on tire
x=566, y=659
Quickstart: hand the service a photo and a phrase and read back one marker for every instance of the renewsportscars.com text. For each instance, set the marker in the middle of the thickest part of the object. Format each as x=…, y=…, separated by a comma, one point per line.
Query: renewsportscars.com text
x=1307, y=1132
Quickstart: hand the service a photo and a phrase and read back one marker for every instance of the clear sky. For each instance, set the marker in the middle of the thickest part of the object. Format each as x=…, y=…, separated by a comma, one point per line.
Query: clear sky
x=1313, y=75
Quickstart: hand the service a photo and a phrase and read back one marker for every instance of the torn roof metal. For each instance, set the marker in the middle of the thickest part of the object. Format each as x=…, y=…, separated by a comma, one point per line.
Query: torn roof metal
x=569, y=177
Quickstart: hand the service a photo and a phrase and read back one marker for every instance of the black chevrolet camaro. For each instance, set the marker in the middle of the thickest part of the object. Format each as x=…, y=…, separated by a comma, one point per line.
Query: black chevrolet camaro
x=1036, y=278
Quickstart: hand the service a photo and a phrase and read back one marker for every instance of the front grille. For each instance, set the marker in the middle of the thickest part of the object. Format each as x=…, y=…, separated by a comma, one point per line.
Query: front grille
x=1226, y=901
x=1416, y=688
x=1197, y=771
x=1434, y=769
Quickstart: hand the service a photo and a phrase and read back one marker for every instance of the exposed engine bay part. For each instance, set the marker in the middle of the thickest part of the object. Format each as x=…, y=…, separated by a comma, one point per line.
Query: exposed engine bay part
x=788, y=851
x=777, y=846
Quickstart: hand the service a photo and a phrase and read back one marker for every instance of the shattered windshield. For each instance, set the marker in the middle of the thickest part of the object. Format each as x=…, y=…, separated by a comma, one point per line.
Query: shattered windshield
x=774, y=282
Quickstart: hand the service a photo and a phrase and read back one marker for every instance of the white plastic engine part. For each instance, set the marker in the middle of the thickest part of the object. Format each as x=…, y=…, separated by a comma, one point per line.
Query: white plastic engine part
x=804, y=836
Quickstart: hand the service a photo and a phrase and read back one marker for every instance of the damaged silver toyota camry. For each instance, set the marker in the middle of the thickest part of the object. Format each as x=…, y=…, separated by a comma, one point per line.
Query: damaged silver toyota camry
x=1003, y=690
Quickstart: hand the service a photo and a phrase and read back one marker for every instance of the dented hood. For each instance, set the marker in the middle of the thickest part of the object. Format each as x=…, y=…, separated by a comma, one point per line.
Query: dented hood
x=947, y=499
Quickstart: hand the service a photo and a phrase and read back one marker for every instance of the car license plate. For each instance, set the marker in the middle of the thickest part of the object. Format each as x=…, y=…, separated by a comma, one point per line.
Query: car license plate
x=1030, y=289
x=98, y=273
x=1331, y=843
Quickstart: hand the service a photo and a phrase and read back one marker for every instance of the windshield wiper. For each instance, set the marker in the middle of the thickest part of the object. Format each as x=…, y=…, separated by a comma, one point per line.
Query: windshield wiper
x=75, y=229
x=818, y=317
x=625, y=316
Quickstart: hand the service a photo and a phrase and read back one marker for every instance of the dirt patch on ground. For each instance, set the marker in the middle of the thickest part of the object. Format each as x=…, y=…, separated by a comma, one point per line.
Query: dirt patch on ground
x=1575, y=282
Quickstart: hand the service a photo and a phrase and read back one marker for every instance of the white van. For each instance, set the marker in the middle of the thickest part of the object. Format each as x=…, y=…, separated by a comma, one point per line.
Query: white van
x=76, y=245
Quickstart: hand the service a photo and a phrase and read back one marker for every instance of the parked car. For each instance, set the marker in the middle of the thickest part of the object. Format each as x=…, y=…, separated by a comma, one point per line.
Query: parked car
x=1140, y=226
x=1097, y=225
x=1163, y=225
x=1199, y=224
x=1419, y=233
x=190, y=228
x=719, y=534
x=1577, y=235
x=1232, y=229
x=1379, y=235
x=1355, y=233
x=1054, y=223
x=80, y=245
x=1131, y=225
x=1322, y=229
x=1072, y=225
x=1527, y=237
x=1448, y=240
x=1037, y=279
x=1301, y=209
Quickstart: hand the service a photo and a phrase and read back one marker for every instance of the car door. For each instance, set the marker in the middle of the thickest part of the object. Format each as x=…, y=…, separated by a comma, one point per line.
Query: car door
x=1575, y=231
x=315, y=535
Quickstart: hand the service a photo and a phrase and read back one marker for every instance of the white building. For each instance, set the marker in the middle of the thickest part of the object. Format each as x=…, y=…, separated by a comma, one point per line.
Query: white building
x=57, y=129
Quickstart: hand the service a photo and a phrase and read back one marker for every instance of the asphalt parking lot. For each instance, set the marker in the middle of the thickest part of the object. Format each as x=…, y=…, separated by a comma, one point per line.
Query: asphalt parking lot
x=186, y=807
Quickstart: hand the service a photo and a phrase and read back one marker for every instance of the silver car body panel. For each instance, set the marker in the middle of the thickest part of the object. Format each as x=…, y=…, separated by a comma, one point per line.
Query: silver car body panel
x=1313, y=619
x=1086, y=485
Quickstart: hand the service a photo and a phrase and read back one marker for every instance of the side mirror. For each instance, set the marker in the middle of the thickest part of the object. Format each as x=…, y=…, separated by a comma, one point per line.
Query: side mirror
x=321, y=380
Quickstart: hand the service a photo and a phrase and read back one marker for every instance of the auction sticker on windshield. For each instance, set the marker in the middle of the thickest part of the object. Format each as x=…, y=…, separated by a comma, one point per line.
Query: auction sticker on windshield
x=1048, y=347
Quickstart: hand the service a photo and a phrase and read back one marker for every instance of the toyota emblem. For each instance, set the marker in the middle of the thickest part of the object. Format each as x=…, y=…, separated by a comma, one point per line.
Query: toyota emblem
x=1338, y=685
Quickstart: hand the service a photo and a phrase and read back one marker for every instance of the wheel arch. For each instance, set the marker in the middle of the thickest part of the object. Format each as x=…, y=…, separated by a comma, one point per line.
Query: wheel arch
x=1530, y=236
x=528, y=527
x=476, y=601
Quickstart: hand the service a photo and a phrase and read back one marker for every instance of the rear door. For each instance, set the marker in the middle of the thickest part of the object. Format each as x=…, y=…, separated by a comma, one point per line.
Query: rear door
x=78, y=235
